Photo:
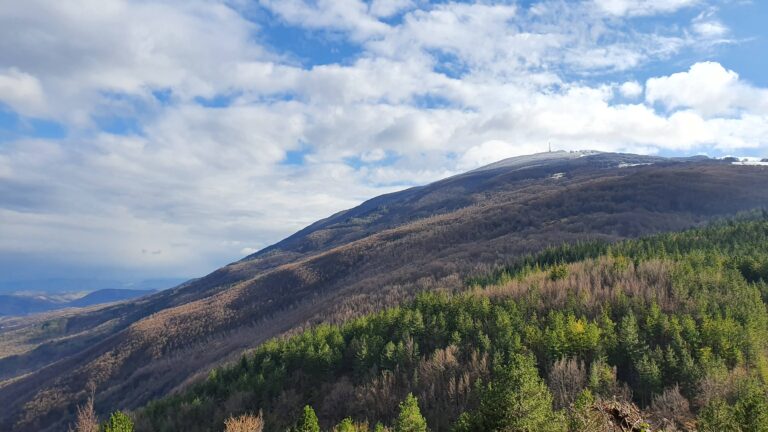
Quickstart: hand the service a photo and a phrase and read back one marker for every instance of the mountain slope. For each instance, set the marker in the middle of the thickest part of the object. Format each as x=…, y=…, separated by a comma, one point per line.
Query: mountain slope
x=378, y=254
x=679, y=319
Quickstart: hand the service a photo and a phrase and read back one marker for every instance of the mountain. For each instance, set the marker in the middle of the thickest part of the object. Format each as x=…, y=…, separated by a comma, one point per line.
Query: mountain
x=670, y=331
x=67, y=287
x=108, y=296
x=358, y=261
x=11, y=305
x=23, y=305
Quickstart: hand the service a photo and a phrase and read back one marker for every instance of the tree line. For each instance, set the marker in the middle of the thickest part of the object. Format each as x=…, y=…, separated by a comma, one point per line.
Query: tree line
x=670, y=330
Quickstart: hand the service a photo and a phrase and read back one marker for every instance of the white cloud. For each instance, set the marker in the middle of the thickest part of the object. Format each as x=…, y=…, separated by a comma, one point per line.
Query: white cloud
x=387, y=8
x=373, y=155
x=707, y=25
x=347, y=15
x=492, y=151
x=85, y=53
x=21, y=91
x=708, y=88
x=248, y=251
x=710, y=29
x=631, y=89
x=642, y=7
x=450, y=87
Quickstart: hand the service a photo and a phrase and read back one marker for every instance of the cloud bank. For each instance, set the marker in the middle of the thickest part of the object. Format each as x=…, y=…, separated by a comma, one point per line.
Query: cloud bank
x=202, y=130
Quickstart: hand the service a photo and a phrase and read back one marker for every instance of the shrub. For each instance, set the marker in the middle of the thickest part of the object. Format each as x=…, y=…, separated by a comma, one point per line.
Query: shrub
x=120, y=422
x=244, y=423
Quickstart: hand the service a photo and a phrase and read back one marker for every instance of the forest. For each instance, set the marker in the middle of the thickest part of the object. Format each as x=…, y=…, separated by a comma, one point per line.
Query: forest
x=667, y=332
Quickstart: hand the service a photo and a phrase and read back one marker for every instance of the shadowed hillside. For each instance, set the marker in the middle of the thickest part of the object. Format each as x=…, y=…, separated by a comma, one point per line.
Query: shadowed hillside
x=358, y=261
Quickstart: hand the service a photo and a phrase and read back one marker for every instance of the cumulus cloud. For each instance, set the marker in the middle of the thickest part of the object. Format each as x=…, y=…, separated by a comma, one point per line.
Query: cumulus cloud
x=708, y=88
x=631, y=89
x=87, y=54
x=22, y=92
x=234, y=145
x=642, y=7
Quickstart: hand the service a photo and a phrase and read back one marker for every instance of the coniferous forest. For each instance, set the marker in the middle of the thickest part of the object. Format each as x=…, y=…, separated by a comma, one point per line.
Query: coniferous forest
x=668, y=332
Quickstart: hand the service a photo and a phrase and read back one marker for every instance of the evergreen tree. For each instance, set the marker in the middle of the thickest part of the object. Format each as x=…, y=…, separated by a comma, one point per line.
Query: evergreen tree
x=118, y=422
x=308, y=421
x=346, y=425
x=751, y=409
x=516, y=400
x=717, y=416
x=410, y=418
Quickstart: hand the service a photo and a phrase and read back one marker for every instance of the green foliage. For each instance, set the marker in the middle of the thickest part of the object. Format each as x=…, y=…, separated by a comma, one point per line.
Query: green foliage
x=675, y=308
x=346, y=425
x=410, y=418
x=308, y=421
x=558, y=272
x=118, y=422
x=582, y=418
x=516, y=400
x=751, y=408
x=717, y=416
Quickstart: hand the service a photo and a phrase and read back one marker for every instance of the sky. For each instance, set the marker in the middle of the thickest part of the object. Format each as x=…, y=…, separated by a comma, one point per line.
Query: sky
x=152, y=138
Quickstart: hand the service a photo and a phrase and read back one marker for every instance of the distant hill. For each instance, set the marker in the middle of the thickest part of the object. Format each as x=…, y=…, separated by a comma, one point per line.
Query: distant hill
x=108, y=296
x=23, y=305
x=380, y=253
x=56, y=287
x=14, y=305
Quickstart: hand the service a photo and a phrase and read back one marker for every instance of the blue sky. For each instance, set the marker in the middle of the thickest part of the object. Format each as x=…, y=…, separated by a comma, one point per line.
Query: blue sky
x=144, y=139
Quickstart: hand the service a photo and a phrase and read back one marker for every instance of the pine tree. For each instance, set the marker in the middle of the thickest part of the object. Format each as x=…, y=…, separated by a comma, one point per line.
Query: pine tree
x=717, y=416
x=346, y=425
x=118, y=422
x=516, y=400
x=308, y=421
x=410, y=418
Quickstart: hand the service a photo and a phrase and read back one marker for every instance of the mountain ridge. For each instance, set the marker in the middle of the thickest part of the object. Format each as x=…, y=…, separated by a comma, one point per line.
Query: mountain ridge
x=15, y=305
x=358, y=261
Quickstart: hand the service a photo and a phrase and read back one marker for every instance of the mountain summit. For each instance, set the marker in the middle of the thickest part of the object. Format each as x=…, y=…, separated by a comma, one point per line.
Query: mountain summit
x=378, y=254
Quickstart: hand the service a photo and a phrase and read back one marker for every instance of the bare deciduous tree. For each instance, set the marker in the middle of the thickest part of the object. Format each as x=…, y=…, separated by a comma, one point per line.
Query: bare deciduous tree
x=245, y=423
x=86, y=419
x=567, y=379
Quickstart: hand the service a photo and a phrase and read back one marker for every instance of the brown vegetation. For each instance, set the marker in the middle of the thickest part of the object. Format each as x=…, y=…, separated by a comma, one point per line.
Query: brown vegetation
x=244, y=423
x=359, y=261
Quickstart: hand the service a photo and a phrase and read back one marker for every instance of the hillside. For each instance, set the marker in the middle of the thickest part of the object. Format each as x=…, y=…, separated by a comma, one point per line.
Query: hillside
x=675, y=324
x=11, y=305
x=379, y=254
